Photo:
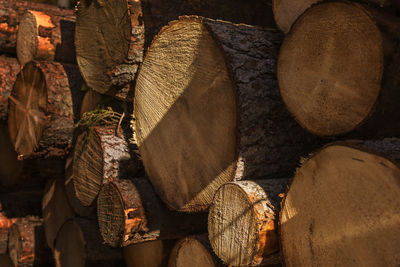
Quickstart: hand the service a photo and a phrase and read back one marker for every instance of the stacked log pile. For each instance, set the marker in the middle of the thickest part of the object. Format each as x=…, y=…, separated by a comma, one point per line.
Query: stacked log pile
x=190, y=133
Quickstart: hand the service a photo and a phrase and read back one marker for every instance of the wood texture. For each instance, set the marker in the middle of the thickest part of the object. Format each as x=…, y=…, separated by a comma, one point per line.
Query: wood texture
x=208, y=111
x=129, y=212
x=349, y=215
x=9, y=68
x=286, y=12
x=101, y=154
x=109, y=42
x=338, y=70
x=5, y=224
x=193, y=251
x=149, y=254
x=27, y=244
x=45, y=36
x=243, y=219
x=55, y=209
x=11, y=13
x=79, y=244
x=43, y=105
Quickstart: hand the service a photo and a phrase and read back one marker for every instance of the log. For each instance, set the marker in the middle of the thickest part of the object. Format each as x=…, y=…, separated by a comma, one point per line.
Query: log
x=76, y=205
x=343, y=209
x=43, y=106
x=127, y=27
x=129, y=212
x=11, y=13
x=79, y=244
x=11, y=167
x=45, y=36
x=338, y=70
x=109, y=42
x=193, y=251
x=208, y=111
x=55, y=209
x=9, y=68
x=27, y=243
x=243, y=219
x=149, y=254
x=5, y=261
x=22, y=202
x=102, y=154
x=5, y=224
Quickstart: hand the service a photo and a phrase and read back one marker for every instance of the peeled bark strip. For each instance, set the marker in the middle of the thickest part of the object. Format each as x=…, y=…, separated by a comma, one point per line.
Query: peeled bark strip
x=109, y=42
x=101, y=154
x=11, y=13
x=194, y=251
x=343, y=207
x=79, y=244
x=42, y=107
x=55, y=209
x=149, y=254
x=44, y=36
x=129, y=212
x=242, y=221
x=9, y=68
x=286, y=12
x=208, y=111
x=338, y=70
x=27, y=243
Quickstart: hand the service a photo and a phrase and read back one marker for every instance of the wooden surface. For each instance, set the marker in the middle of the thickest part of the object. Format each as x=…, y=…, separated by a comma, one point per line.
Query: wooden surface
x=208, y=111
x=9, y=68
x=149, y=254
x=130, y=212
x=242, y=221
x=43, y=107
x=342, y=208
x=338, y=70
x=46, y=36
x=55, y=209
x=109, y=42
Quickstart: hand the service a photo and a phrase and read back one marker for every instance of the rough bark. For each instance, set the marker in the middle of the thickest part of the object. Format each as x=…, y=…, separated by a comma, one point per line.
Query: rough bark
x=193, y=251
x=44, y=104
x=11, y=13
x=151, y=254
x=109, y=58
x=27, y=244
x=129, y=212
x=9, y=69
x=55, y=209
x=208, y=111
x=46, y=36
x=79, y=244
x=343, y=79
x=102, y=154
x=243, y=219
x=350, y=211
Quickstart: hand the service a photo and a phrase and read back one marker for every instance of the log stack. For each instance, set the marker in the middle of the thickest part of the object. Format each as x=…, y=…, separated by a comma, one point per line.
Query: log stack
x=125, y=124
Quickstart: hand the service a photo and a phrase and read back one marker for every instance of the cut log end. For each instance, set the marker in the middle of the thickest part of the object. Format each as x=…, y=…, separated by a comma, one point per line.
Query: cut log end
x=342, y=209
x=190, y=251
x=109, y=56
x=330, y=68
x=194, y=124
x=286, y=12
x=87, y=170
x=241, y=224
x=27, y=107
x=120, y=212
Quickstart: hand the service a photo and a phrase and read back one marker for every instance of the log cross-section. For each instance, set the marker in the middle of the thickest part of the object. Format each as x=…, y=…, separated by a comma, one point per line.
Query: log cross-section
x=343, y=207
x=42, y=108
x=243, y=220
x=44, y=36
x=130, y=212
x=208, y=111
